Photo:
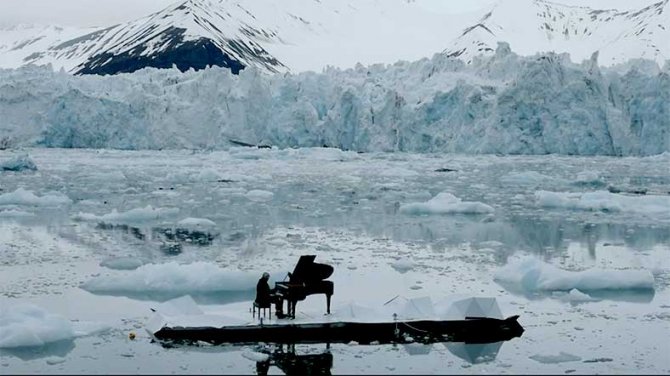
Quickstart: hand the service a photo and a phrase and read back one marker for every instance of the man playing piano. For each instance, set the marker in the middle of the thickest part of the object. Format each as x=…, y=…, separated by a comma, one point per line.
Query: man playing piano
x=266, y=296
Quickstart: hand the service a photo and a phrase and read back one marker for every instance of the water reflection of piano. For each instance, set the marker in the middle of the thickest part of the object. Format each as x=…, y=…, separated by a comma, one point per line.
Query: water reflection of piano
x=308, y=278
x=297, y=364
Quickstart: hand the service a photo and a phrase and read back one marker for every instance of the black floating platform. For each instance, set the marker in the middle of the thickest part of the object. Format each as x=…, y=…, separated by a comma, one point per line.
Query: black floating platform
x=470, y=330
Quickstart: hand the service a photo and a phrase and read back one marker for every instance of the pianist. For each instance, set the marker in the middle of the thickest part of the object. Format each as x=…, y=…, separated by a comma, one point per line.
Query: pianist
x=266, y=296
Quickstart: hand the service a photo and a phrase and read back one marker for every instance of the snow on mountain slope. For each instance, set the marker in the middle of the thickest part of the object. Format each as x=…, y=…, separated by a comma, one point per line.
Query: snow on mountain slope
x=293, y=35
x=301, y=35
x=531, y=26
x=500, y=104
x=20, y=44
x=195, y=33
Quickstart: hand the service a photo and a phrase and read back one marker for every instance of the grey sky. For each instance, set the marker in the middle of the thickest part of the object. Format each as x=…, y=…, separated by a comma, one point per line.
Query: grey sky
x=108, y=12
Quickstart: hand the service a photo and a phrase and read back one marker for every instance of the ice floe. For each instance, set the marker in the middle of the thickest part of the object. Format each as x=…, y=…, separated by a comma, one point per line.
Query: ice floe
x=20, y=162
x=403, y=265
x=576, y=296
x=531, y=274
x=604, y=201
x=446, y=203
x=196, y=223
x=27, y=325
x=122, y=263
x=174, y=279
x=133, y=216
x=25, y=197
x=561, y=357
x=588, y=178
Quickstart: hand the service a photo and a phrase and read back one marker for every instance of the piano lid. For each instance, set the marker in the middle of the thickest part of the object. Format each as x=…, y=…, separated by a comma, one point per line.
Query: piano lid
x=306, y=270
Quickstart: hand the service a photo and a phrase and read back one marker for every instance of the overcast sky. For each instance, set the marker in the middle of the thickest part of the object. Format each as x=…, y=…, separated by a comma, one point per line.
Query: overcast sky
x=109, y=12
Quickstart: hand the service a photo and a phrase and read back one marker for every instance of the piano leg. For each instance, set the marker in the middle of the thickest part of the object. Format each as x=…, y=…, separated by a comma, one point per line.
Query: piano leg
x=328, y=304
x=294, y=305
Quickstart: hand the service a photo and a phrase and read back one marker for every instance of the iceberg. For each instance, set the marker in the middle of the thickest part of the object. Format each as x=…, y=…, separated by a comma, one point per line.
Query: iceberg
x=531, y=274
x=446, y=203
x=604, y=201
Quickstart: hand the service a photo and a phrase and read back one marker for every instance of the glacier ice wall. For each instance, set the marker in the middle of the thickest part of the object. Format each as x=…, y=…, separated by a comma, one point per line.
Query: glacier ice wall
x=500, y=104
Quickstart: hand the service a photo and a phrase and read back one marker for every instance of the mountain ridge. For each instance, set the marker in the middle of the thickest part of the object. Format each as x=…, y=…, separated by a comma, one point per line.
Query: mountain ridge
x=301, y=35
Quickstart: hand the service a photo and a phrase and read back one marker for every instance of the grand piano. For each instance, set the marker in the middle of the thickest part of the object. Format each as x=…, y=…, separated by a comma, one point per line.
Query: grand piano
x=308, y=278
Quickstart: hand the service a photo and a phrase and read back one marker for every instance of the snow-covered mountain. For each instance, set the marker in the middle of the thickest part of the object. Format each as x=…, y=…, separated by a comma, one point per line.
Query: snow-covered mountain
x=531, y=26
x=299, y=35
x=293, y=35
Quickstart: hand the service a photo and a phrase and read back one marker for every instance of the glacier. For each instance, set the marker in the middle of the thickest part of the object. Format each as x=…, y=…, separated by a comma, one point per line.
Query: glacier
x=502, y=104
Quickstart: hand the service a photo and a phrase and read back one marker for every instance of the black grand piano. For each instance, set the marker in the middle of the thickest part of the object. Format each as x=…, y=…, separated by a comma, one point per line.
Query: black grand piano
x=308, y=278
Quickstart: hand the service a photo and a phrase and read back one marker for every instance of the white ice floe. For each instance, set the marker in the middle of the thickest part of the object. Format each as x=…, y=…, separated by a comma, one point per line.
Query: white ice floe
x=133, y=216
x=446, y=203
x=175, y=279
x=196, y=223
x=403, y=265
x=27, y=325
x=576, y=296
x=122, y=263
x=23, y=325
x=591, y=178
x=259, y=195
x=25, y=197
x=604, y=201
x=562, y=357
x=531, y=274
x=52, y=360
x=20, y=162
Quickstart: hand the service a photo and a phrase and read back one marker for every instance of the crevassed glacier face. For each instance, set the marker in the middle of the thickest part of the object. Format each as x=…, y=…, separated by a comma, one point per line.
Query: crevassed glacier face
x=503, y=104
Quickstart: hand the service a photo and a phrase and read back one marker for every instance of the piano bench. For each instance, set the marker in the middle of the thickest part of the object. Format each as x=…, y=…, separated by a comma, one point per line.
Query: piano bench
x=261, y=308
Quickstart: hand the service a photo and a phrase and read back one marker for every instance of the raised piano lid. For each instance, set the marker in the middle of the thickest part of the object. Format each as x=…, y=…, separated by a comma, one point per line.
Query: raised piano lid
x=307, y=270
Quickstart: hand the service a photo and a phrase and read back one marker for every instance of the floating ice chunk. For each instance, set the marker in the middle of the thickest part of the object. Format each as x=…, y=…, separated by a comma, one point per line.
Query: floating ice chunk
x=605, y=201
x=446, y=203
x=562, y=357
x=24, y=325
x=196, y=223
x=19, y=163
x=577, y=296
x=591, y=178
x=175, y=279
x=259, y=195
x=24, y=197
x=531, y=274
x=256, y=356
x=403, y=265
x=133, y=216
x=54, y=360
x=122, y=263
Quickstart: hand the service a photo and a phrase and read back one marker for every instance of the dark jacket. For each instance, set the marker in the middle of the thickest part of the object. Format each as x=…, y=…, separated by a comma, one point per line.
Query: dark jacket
x=263, y=293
